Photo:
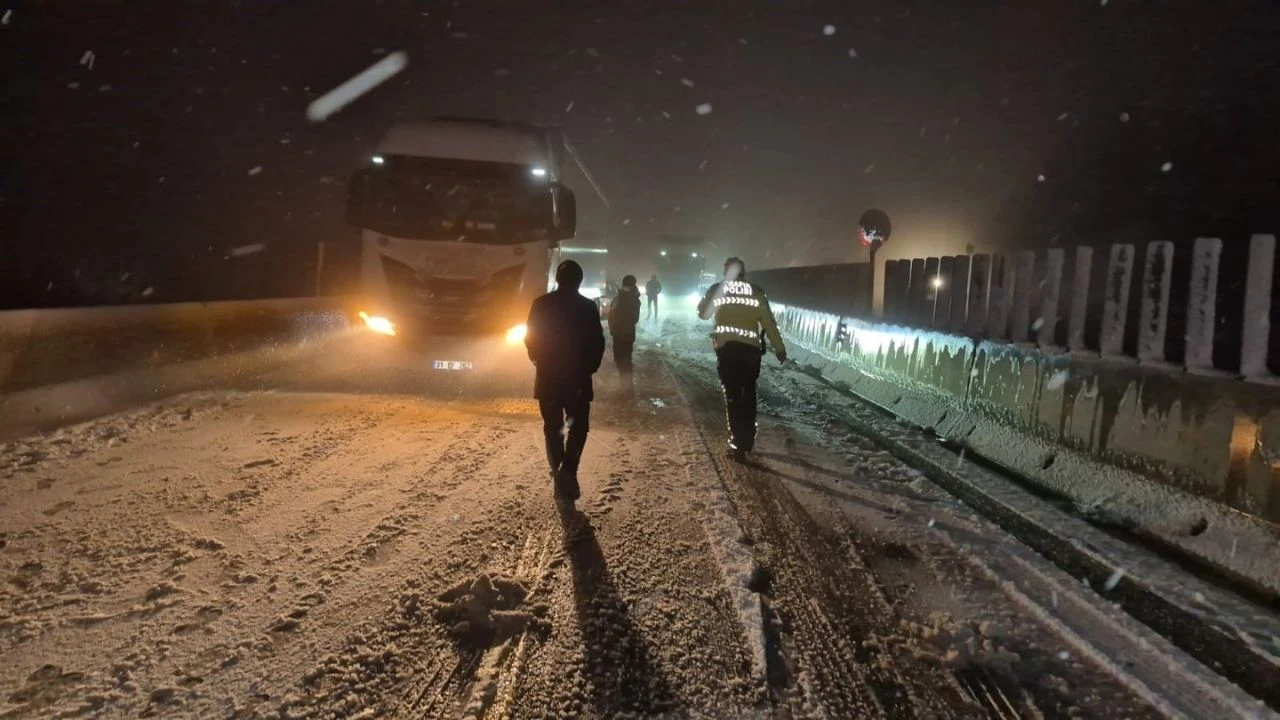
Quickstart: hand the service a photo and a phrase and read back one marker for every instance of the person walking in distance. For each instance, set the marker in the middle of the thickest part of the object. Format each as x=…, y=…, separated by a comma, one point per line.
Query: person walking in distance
x=624, y=313
x=743, y=319
x=652, y=290
x=565, y=341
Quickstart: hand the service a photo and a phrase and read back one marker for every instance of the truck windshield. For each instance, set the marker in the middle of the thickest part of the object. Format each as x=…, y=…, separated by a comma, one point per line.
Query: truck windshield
x=461, y=200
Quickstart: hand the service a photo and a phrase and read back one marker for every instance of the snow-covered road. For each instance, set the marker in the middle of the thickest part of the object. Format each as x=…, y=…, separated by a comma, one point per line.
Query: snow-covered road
x=367, y=544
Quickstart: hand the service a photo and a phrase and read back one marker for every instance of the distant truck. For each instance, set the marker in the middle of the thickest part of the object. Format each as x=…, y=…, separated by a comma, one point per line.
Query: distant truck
x=460, y=222
x=681, y=260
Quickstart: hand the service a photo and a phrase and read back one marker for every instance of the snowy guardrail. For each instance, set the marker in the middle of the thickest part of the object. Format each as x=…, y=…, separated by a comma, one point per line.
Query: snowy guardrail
x=1138, y=381
x=1203, y=306
x=1186, y=459
x=54, y=364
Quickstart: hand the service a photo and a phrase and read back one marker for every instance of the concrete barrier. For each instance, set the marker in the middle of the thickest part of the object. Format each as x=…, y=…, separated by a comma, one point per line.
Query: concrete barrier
x=44, y=347
x=1188, y=460
x=59, y=366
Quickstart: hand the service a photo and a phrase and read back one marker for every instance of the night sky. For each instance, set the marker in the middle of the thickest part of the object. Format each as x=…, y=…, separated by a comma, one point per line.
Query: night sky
x=999, y=124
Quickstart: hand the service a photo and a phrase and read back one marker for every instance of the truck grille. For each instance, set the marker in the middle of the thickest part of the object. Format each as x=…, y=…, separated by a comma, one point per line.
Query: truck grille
x=451, y=305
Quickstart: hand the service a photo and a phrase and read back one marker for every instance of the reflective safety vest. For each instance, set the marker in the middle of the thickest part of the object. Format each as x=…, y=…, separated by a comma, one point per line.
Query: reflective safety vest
x=741, y=314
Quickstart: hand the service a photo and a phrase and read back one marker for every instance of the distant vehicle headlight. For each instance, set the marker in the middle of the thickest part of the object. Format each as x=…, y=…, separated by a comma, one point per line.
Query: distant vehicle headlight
x=516, y=334
x=378, y=324
x=592, y=293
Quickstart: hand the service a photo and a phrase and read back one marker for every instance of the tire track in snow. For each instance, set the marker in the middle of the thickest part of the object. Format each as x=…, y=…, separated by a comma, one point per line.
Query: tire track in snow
x=816, y=593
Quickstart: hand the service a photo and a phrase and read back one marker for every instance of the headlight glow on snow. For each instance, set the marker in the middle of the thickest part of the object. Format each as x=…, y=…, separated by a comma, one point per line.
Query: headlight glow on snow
x=516, y=334
x=591, y=293
x=378, y=324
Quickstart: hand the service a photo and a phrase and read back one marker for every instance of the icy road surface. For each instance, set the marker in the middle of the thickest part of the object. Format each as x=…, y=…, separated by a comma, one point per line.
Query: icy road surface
x=331, y=549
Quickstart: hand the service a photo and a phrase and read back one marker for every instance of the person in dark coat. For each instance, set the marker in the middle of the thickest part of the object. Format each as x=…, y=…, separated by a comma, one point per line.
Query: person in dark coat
x=565, y=341
x=652, y=290
x=624, y=314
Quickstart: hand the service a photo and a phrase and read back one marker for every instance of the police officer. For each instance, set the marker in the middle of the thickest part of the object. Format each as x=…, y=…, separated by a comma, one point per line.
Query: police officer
x=742, y=320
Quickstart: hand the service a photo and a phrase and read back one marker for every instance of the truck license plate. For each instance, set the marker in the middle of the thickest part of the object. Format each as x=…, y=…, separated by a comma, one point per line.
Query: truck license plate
x=451, y=364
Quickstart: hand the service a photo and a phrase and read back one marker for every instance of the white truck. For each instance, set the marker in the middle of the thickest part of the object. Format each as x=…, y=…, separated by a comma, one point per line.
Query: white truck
x=460, y=225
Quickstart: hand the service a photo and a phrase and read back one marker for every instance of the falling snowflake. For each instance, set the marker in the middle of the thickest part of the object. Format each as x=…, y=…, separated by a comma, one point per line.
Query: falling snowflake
x=1124, y=117
x=828, y=30
x=148, y=292
x=73, y=86
x=1064, y=655
x=853, y=53
x=255, y=169
x=372, y=76
x=246, y=250
x=1114, y=580
x=501, y=72
x=593, y=52
x=87, y=59
x=867, y=170
x=666, y=114
x=932, y=522
x=7, y=14
x=742, y=40
x=1040, y=178
x=1039, y=323
x=1166, y=167
x=569, y=107
x=1062, y=117
x=702, y=164
x=626, y=221
x=686, y=82
x=704, y=109
x=677, y=58
x=724, y=206
x=1104, y=2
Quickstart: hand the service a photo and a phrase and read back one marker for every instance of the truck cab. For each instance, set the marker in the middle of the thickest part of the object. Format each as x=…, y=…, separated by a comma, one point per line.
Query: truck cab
x=460, y=225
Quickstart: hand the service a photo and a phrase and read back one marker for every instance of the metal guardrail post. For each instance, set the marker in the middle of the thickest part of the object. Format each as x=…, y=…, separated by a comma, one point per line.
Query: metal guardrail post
x=979, y=295
x=1115, y=309
x=1257, y=306
x=959, y=293
x=1046, y=326
x=1024, y=267
x=1153, y=312
x=1080, y=285
x=1202, y=304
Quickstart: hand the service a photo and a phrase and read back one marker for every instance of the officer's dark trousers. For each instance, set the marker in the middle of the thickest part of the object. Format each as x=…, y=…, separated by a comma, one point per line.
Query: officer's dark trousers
x=623, y=346
x=563, y=410
x=739, y=368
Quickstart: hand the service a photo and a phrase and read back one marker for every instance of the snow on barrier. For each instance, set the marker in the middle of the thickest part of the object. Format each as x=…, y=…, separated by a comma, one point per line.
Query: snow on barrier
x=56, y=365
x=1186, y=455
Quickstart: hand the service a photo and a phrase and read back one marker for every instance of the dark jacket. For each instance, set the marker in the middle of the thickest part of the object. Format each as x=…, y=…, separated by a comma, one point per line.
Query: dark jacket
x=624, y=313
x=565, y=343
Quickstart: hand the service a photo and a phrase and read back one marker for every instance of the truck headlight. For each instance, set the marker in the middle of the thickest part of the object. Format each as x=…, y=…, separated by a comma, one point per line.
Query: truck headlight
x=378, y=324
x=516, y=334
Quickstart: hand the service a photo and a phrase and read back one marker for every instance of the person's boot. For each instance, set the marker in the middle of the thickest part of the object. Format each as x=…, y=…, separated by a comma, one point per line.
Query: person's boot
x=555, y=454
x=566, y=484
x=567, y=479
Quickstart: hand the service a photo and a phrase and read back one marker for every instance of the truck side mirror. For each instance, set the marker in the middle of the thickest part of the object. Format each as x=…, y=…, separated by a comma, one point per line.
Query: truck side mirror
x=566, y=215
x=359, y=191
